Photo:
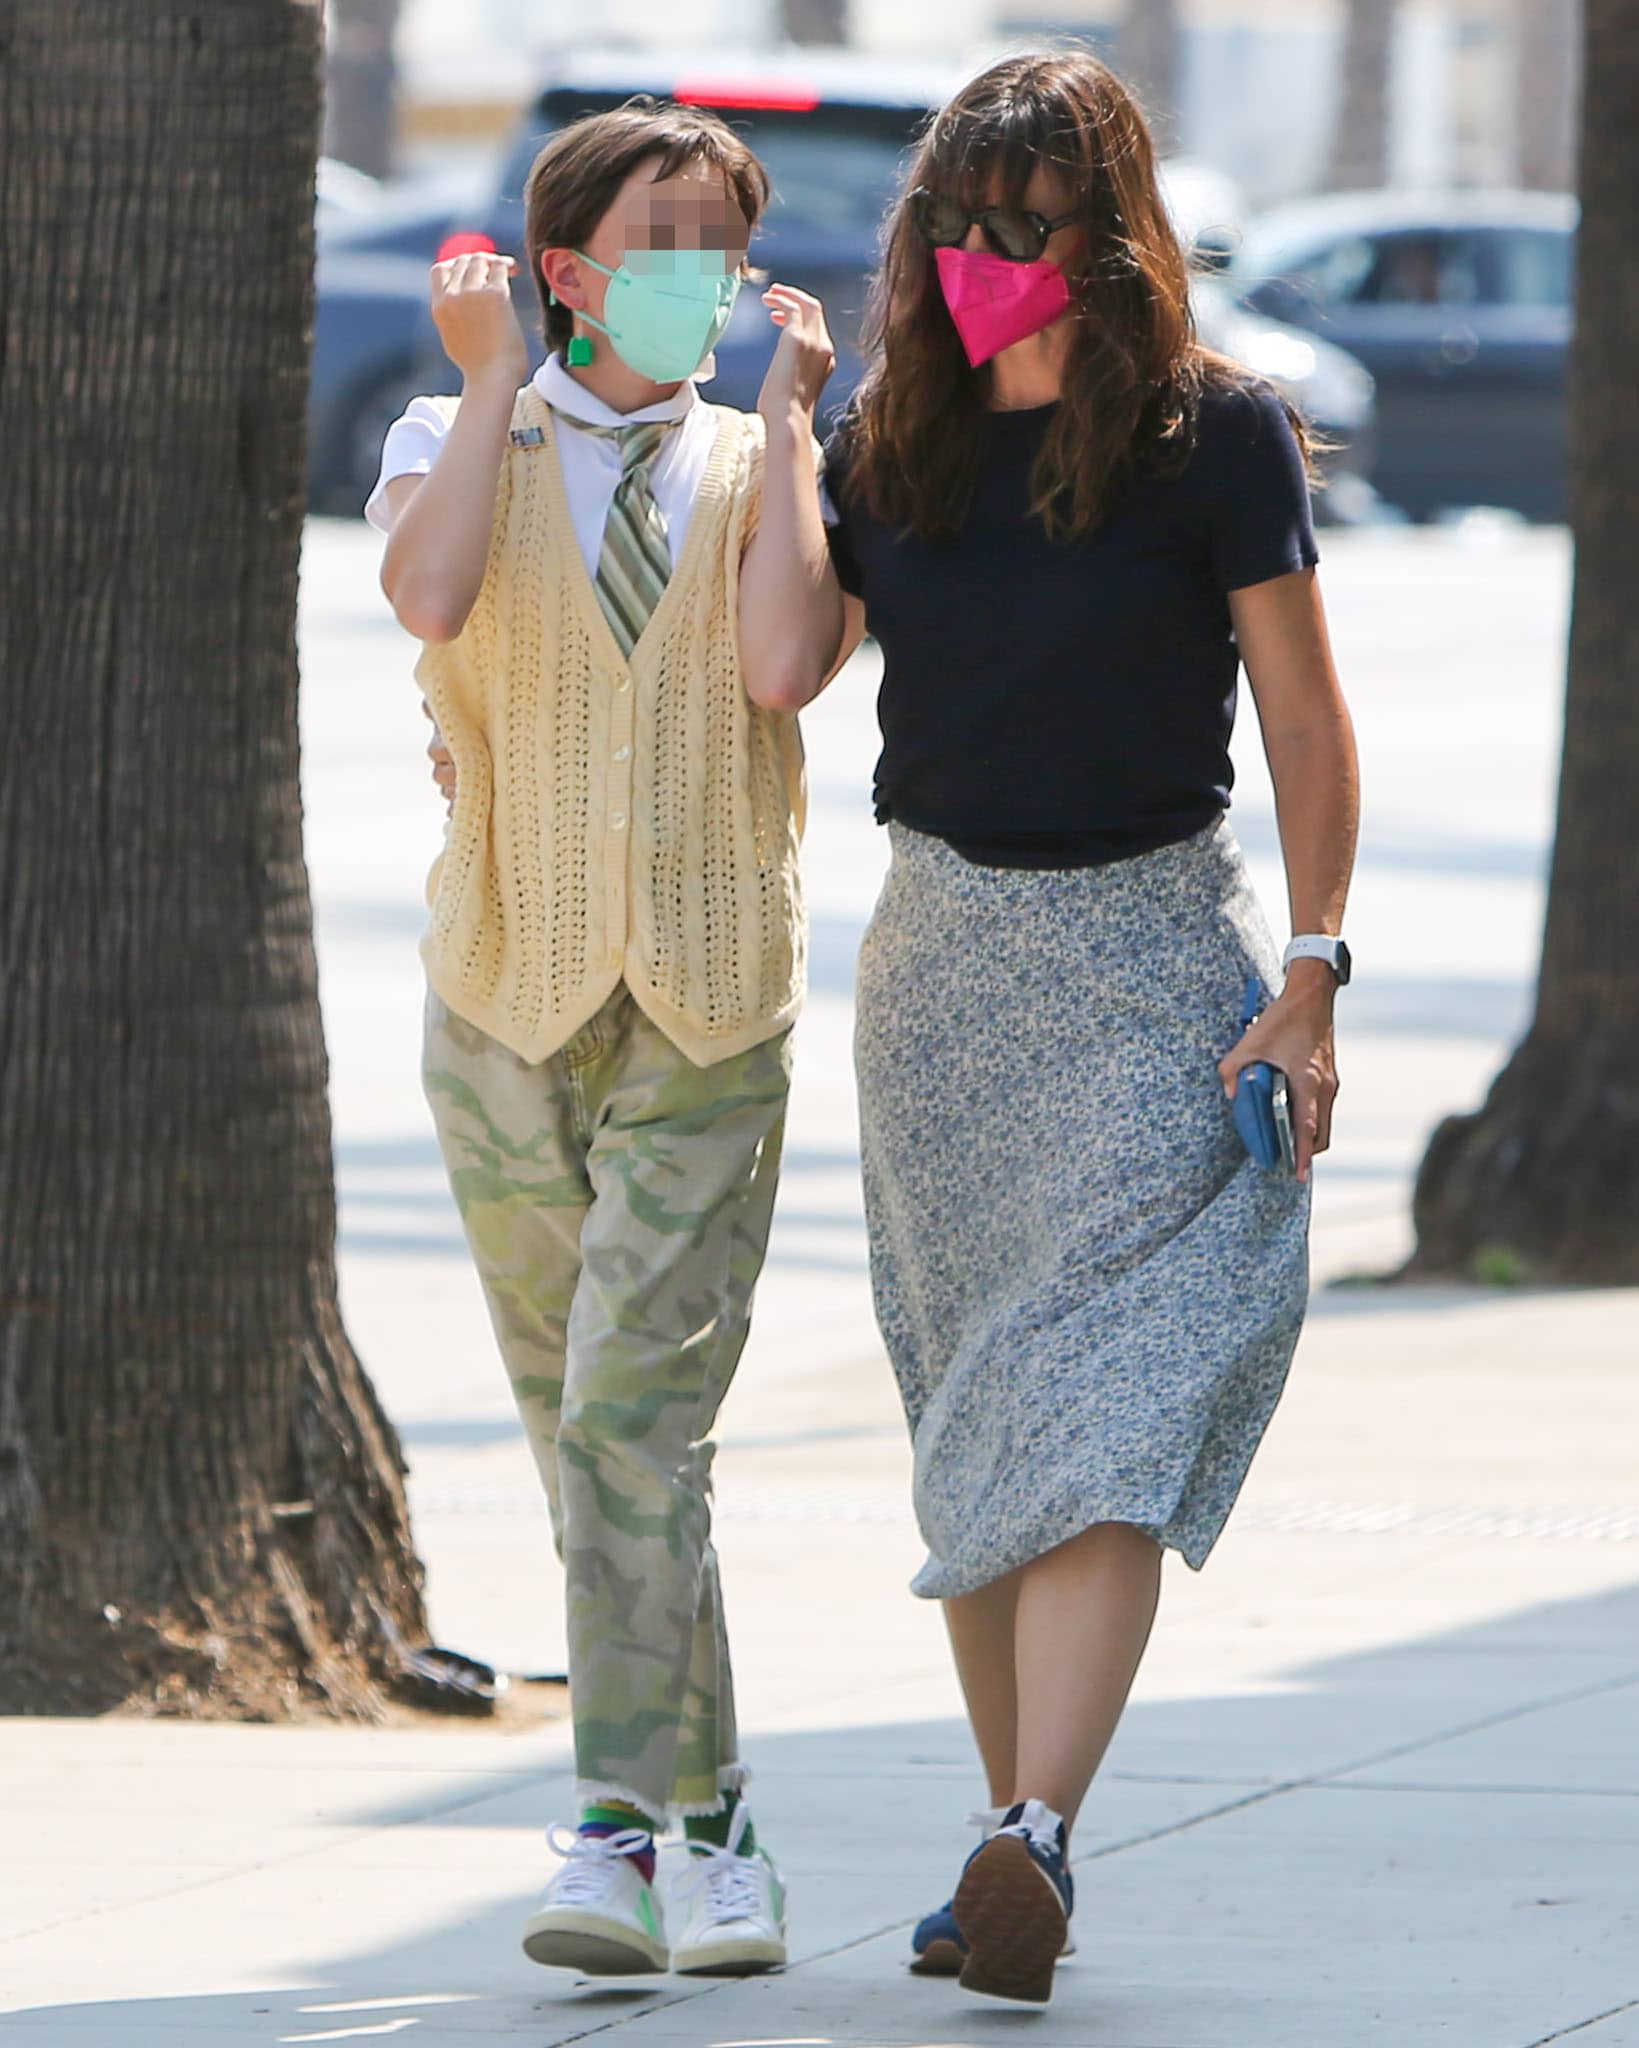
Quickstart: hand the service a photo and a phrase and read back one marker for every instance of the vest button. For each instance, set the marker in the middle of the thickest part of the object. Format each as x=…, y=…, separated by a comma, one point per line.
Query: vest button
x=623, y=753
x=618, y=821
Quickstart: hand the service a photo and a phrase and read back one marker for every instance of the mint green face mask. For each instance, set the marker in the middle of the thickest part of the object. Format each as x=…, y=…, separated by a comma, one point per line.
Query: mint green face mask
x=666, y=309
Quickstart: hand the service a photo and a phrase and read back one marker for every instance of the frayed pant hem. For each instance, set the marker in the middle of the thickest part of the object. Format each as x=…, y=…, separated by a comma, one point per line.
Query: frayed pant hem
x=606, y=1792
x=730, y=1778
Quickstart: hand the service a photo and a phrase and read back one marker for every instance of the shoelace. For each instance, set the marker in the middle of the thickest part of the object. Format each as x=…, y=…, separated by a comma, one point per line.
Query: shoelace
x=1045, y=1839
x=589, y=1861
x=732, y=1883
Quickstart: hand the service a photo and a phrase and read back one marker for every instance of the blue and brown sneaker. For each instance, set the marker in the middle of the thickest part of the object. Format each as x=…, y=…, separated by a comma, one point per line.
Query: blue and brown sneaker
x=937, y=1946
x=1012, y=1907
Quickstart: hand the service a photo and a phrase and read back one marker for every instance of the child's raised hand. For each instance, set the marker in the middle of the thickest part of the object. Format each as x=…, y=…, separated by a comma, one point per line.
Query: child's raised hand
x=472, y=310
x=804, y=360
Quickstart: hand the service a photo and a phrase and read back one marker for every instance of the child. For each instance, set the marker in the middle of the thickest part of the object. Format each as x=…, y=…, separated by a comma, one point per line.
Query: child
x=616, y=945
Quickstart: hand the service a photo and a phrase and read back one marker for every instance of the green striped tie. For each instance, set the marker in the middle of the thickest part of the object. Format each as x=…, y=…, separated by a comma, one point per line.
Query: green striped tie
x=635, y=563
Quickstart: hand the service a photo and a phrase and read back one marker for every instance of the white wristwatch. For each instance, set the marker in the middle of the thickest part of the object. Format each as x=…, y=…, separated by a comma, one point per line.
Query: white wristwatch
x=1318, y=946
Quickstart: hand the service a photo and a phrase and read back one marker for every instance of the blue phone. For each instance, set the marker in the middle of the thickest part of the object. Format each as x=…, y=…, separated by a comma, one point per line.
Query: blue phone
x=1262, y=1105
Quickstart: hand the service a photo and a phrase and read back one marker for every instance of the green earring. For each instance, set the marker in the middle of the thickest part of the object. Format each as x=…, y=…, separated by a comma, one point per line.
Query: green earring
x=580, y=351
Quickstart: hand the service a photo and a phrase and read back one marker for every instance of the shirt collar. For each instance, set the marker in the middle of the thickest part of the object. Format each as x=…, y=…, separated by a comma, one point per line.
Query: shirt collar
x=564, y=395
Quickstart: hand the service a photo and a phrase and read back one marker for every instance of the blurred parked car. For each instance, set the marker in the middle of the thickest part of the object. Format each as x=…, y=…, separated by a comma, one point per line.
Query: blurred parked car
x=342, y=193
x=399, y=220
x=1329, y=387
x=1459, y=304
x=833, y=128
x=366, y=333
x=374, y=251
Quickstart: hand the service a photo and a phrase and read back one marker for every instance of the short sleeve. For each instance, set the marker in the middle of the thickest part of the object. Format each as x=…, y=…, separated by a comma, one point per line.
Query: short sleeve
x=411, y=448
x=1262, y=524
x=844, y=558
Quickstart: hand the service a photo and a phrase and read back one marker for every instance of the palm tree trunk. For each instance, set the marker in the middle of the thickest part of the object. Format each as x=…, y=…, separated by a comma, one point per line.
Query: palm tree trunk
x=1549, y=36
x=1360, y=142
x=1148, y=59
x=361, y=85
x=814, y=21
x=1547, y=1174
x=201, y=1503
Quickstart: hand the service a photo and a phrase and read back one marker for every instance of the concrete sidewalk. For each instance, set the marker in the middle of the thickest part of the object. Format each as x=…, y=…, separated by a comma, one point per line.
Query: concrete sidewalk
x=1380, y=1782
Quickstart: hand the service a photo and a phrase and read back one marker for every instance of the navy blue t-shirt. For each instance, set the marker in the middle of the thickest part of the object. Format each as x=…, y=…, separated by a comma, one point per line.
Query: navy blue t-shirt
x=1050, y=704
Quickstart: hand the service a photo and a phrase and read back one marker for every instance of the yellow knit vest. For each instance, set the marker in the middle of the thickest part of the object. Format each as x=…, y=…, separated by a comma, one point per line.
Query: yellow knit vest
x=614, y=820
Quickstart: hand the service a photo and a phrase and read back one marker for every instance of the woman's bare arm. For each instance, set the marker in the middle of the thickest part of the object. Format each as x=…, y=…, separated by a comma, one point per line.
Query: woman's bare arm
x=1309, y=741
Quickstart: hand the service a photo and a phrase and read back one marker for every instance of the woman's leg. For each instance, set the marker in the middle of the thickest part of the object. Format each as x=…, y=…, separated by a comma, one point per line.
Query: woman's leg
x=981, y=1629
x=1082, y=1620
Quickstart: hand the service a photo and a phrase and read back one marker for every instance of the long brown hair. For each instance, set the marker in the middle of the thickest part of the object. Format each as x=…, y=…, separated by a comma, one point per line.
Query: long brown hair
x=1135, y=371
x=578, y=175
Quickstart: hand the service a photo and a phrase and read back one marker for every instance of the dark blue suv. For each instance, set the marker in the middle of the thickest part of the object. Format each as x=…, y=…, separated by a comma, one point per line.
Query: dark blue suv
x=832, y=132
x=833, y=135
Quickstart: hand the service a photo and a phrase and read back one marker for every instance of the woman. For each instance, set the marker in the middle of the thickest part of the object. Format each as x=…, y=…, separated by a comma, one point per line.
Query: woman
x=1066, y=524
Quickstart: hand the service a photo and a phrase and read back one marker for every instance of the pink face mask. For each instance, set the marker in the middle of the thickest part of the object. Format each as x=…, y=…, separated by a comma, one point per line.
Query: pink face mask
x=996, y=303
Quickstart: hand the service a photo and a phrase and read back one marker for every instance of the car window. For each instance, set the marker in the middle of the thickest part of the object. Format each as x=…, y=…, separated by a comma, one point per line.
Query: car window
x=1332, y=276
x=1528, y=267
x=1427, y=268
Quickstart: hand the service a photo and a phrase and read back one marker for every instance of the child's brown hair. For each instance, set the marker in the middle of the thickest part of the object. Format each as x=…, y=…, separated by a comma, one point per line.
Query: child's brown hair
x=578, y=175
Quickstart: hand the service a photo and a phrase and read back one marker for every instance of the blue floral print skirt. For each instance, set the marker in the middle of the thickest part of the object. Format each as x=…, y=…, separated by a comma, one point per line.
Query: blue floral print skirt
x=1089, y=1292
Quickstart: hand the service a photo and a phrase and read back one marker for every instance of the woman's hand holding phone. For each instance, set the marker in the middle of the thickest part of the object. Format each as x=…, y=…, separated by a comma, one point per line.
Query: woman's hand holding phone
x=1294, y=1034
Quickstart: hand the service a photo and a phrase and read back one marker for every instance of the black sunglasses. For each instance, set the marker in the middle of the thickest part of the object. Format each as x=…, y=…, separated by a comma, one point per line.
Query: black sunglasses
x=1010, y=230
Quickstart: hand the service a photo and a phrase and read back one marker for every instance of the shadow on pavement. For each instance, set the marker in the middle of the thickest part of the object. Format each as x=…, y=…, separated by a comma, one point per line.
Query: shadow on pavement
x=1432, y=1841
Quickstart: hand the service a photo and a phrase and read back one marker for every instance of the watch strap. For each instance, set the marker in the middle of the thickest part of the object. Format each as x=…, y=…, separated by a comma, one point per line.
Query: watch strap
x=1319, y=946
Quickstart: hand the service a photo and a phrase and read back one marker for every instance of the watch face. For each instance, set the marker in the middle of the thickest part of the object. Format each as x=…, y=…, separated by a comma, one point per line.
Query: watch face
x=1344, y=964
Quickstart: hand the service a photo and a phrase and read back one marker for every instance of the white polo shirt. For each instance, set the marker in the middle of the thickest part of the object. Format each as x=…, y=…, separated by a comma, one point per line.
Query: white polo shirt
x=591, y=464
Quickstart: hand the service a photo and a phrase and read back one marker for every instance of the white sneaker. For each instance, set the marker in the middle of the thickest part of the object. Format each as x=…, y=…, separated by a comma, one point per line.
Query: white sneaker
x=600, y=1914
x=736, y=1909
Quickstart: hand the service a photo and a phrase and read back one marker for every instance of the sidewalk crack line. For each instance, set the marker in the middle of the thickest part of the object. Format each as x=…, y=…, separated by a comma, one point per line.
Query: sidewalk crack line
x=1582, y=2026
x=1314, y=1779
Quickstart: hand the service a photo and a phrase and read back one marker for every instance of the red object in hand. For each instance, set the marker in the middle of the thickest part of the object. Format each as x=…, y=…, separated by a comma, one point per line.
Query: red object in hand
x=465, y=243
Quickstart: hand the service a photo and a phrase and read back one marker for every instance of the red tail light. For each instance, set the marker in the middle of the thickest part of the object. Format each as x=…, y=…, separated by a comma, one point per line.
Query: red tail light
x=782, y=99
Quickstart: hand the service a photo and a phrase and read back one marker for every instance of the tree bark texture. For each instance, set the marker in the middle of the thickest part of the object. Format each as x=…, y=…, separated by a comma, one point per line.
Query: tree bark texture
x=1360, y=142
x=1148, y=60
x=1549, y=82
x=361, y=85
x=201, y=1503
x=1547, y=1174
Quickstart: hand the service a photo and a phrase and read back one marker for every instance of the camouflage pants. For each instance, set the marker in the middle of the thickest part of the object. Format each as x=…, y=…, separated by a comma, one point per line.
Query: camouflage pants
x=617, y=1200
